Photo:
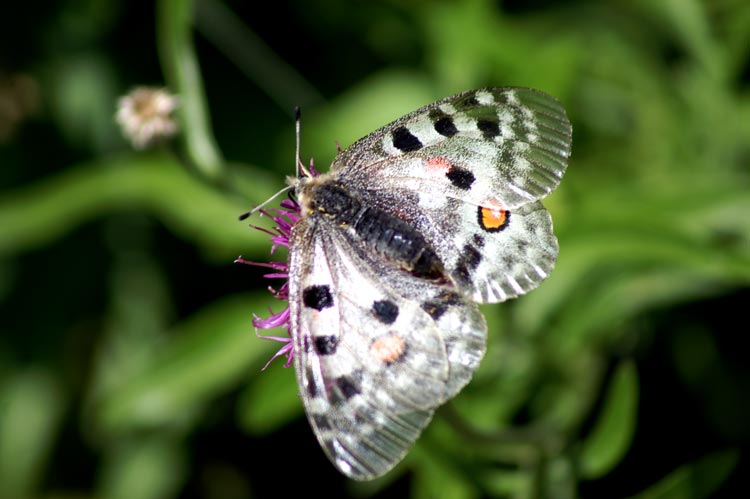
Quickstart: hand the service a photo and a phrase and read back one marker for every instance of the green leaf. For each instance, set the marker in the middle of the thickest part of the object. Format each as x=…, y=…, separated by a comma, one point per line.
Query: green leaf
x=697, y=480
x=658, y=252
x=271, y=400
x=433, y=476
x=377, y=100
x=150, y=467
x=613, y=431
x=83, y=95
x=516, y=484
x=559, y=479
x=31, y=408
x=207, y=354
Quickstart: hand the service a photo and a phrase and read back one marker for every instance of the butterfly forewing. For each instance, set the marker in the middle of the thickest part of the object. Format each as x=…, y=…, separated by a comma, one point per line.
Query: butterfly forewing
x=516, y=141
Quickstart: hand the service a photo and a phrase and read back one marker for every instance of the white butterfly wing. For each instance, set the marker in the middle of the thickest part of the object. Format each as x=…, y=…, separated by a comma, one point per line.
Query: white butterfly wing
x=376, y=349
x=498, y=264
x=510, y=145
x=468, y=172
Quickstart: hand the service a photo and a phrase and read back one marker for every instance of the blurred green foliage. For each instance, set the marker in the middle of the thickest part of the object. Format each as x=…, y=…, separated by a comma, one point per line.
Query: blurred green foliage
x=128, y=364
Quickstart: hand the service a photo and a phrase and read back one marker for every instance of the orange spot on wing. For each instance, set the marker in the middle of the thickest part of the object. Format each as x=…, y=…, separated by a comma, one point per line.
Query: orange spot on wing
x=388, y=348
x=493, y=218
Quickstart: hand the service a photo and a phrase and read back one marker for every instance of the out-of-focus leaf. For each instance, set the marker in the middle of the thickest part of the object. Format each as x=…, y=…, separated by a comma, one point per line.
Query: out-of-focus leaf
x=472, y=43
x=591, y=318
x=501, y=385
x=31, y=406
x=511, y=484
x=433, y=476
x=613, y=432
x=563, y=401
x=138, y=314
x=207, y=354
x=559, y=479
x=157, y=184
x=150, y=467
x=687, y=19
x=83, y=96
x=650, y=238
x=697, y=480
x=271, y=400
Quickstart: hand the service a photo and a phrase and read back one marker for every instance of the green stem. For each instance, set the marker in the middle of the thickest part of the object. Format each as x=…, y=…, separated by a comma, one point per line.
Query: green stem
x=154, y=184
x=252, y=56
x=174, y=34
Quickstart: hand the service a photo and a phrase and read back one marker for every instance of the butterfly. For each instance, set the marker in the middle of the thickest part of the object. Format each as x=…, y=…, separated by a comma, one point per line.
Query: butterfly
x=394, y=248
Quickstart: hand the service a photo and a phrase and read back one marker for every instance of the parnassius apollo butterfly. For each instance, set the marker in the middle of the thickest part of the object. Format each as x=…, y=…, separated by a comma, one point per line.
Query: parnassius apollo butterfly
x=394, y=247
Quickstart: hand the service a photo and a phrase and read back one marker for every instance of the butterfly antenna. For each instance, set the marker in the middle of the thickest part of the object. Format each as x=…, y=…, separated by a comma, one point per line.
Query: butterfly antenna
x=264, y=203
x=301, y=170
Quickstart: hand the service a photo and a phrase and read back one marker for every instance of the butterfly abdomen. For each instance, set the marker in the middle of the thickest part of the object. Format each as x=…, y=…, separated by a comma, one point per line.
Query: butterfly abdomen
x=388, y=235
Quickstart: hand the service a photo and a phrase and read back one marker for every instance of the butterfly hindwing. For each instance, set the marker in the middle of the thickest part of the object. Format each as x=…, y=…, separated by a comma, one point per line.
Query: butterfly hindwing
x=377, y=350
x=491, y=254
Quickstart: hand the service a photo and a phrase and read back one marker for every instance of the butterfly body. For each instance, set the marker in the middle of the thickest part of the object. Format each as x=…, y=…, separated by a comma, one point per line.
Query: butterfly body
x=396, y=240
x=412, y=227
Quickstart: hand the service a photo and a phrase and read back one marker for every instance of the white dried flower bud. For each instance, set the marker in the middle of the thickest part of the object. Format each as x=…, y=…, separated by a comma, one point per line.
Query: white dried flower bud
x=146, y=116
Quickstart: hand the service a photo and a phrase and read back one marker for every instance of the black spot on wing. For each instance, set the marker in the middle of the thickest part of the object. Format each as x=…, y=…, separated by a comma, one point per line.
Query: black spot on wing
x=467, y=102
x=317, y=297
x=445, y=126
x=332, y=449
x=404, y=140
x=460, y=177
x=363, y=416
x=326, y=345
x=490, y=128
x=436, y=307
x=507, y=156
x=385, y=311
x=462, y=274
x=347, y=386
x=449, y=297
x=312, y=388
x=478, y=240
x=467, y=263
x=471, y=256
x=321, y=422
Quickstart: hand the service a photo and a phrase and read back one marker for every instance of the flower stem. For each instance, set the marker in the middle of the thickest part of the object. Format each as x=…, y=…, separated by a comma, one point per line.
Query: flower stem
x=177, y=53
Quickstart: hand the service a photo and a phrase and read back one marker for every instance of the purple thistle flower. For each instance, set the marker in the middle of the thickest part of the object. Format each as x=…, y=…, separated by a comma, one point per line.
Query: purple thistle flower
x=285, y=217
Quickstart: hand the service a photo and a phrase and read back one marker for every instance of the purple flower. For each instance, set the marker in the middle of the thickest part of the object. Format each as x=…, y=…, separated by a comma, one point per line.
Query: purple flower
x=285, y=217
